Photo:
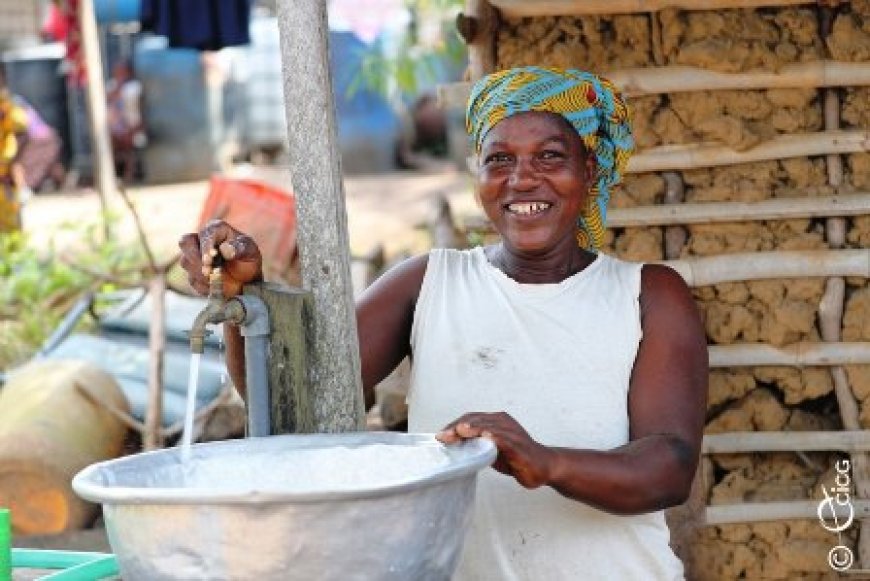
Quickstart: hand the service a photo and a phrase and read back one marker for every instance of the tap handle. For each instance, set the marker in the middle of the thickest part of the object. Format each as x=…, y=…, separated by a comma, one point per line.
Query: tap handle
x=217, y=259
x=215, y=276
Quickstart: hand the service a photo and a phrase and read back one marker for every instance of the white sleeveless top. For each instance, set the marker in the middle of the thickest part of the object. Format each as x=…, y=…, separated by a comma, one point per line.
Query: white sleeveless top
x=558, y=358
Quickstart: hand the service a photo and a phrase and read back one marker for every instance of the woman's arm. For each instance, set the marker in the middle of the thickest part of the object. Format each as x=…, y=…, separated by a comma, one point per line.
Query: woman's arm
x=666, y=406
x=384, y=315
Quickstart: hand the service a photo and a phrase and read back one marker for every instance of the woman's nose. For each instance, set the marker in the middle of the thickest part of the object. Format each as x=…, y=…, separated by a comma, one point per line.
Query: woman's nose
x=523, y=176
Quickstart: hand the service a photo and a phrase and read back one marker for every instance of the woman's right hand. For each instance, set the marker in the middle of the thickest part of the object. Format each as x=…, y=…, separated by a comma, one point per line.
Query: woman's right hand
x=242, y=262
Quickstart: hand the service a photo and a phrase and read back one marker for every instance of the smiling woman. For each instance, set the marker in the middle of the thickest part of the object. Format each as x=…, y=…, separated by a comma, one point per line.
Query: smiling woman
x=588, y=373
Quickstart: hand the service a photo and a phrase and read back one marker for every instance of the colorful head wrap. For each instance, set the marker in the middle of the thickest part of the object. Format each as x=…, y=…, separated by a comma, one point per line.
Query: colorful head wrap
x=591, y=104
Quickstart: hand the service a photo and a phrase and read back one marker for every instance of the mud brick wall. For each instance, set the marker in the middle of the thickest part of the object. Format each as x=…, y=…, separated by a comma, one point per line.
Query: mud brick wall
x=778, y=312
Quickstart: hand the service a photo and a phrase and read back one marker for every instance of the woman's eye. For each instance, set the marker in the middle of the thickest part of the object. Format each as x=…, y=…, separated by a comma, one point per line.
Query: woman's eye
x=496, y=158
x=552, y=154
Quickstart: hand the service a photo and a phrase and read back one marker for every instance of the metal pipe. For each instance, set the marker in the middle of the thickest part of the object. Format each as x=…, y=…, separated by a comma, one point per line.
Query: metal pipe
x=66, y=325
x=257, y=380
x=255, y=329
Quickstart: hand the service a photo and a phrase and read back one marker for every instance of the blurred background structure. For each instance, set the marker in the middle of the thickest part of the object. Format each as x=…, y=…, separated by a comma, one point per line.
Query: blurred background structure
x=210, y=98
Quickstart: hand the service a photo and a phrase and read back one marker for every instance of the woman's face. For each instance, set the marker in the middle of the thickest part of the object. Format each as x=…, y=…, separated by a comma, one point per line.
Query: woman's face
x=533, y=180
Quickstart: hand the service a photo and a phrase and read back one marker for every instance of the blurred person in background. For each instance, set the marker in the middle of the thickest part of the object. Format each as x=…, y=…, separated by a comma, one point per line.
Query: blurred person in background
x=126, y=125
x=38, y=160
x=422, y=144
x=13, y=188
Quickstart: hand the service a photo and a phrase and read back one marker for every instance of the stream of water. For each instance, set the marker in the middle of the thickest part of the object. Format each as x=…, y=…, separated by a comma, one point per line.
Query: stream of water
x=190, y=410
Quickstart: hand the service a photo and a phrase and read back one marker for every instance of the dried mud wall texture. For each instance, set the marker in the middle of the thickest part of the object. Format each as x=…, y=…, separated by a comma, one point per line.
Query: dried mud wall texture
x=739, y=40
x=850, y=34
x=777, y=312
x=856, y=327
x=594, y=43
x=738, y=119
x=855, y=114
x=775, y=550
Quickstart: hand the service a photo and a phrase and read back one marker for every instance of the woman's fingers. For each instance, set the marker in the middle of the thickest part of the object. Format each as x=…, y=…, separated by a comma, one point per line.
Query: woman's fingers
x=471, y=426
x=242, y=262
x=191, y=262
x=213, y=235
x=518, y=454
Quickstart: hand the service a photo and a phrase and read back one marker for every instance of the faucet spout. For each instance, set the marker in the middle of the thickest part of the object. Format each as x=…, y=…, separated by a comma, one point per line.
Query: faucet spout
x=216, y=311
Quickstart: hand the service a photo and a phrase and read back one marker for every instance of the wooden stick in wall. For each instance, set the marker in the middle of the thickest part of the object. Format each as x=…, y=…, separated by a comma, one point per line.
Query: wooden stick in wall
x=639, y=81
x=710, y=270
x=675, y=235
x=682, y=79
x=520, y=8
x=794, y=355
x=747, y=512
x=721, y=212
x=478, y=26
x=830, y=323
x=696, y=155
x=748, y=442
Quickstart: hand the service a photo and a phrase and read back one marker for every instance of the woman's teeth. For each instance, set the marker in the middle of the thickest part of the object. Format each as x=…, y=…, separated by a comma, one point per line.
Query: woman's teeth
x=528, y=208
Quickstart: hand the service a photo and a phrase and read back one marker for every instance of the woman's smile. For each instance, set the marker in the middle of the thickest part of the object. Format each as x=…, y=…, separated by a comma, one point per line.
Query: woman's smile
x=527, y=210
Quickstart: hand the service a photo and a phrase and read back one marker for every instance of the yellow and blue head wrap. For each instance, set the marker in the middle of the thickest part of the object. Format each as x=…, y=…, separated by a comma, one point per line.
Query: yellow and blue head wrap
x=591, y=104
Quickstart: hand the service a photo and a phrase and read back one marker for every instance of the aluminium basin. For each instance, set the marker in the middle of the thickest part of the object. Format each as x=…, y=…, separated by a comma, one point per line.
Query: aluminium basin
x=322, y=507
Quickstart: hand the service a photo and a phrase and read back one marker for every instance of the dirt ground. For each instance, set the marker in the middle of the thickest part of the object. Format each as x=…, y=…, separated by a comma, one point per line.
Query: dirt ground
x=384, y=209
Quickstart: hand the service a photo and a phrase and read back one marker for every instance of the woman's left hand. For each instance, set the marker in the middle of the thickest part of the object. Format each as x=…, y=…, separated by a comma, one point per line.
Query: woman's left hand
x=518, y=454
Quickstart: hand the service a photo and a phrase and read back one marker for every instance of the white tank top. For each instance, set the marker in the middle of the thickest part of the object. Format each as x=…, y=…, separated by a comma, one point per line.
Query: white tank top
x=558, y=358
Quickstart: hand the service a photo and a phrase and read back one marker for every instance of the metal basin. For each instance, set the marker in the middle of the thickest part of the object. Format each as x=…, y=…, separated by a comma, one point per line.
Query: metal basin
x=368, y=506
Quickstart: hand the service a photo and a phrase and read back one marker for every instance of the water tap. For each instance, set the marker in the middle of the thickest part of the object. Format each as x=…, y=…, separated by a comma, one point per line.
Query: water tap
x=217, y=310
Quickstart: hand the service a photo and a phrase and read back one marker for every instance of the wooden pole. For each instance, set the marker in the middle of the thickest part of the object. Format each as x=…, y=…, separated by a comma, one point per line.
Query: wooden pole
x=322, y=229
x=291, y=397
x=152, y=438
x=101, y=143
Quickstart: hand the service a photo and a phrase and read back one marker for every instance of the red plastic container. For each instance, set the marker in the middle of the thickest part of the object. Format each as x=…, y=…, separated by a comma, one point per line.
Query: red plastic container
x=264, y=212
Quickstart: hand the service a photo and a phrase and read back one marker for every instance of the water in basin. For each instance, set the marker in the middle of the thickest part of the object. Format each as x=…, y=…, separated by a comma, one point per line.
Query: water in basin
x=337, y=468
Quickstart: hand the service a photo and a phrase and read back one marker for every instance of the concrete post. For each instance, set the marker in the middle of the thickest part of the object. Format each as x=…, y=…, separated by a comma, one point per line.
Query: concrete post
x=334, y=366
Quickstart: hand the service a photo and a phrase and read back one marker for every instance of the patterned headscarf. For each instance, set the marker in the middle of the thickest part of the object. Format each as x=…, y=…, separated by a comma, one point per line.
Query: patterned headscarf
x=591, y=104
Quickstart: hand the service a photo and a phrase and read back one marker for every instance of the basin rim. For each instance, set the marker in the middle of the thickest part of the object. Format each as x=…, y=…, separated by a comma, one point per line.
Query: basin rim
x=481, y=453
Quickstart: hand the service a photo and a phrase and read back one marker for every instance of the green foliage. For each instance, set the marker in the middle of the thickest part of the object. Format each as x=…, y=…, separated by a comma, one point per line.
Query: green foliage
x=38, y=285
x=475, y=239
x=415, y=62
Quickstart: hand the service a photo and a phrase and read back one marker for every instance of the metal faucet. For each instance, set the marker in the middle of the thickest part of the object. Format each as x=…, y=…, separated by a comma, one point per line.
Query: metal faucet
x=252, y=316
x=217, y=310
